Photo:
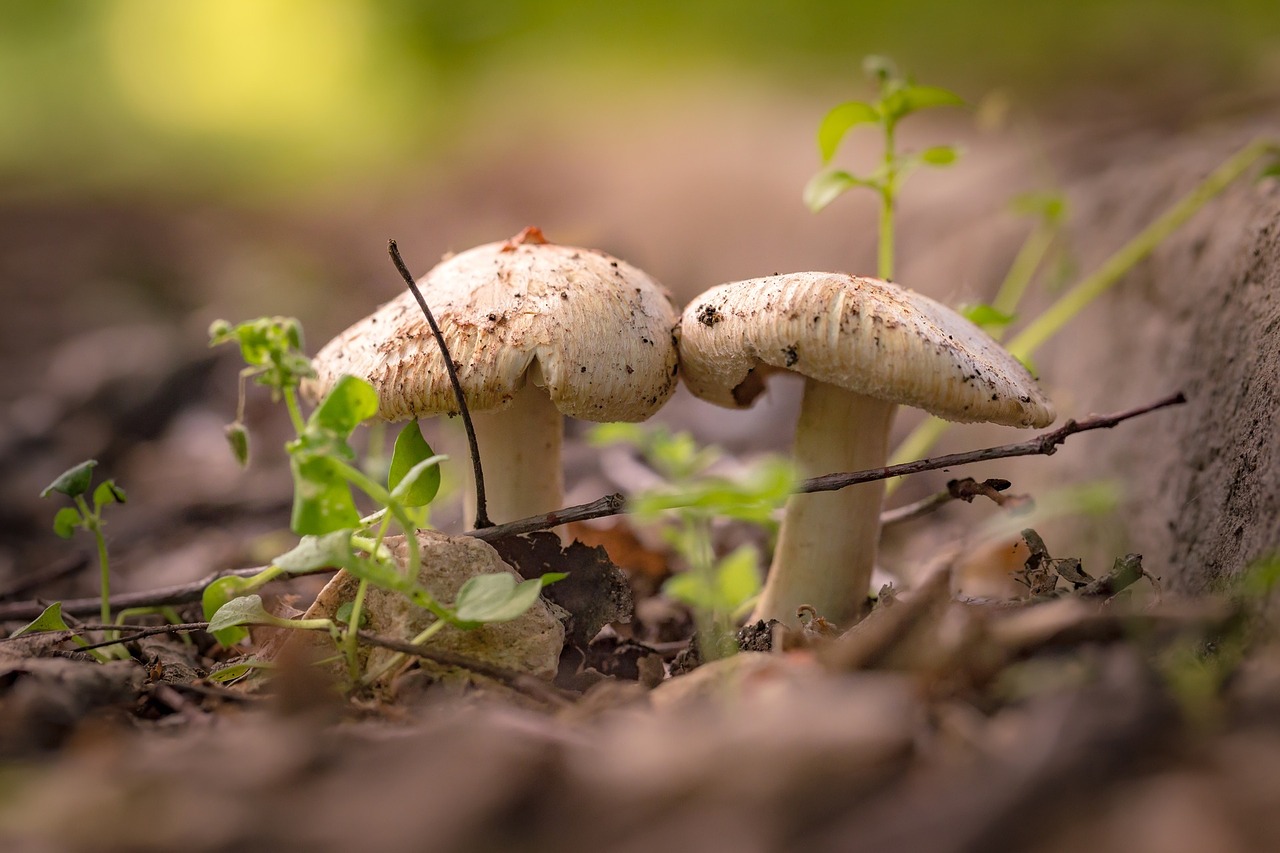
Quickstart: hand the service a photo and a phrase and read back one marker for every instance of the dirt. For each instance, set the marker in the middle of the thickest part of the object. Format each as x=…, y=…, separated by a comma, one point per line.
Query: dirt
x=1142, y=722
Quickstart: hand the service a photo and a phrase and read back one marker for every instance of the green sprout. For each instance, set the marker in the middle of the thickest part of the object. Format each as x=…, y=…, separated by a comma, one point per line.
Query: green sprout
x=325, y=514
x=898, y=98
x=720, y=590
x=75, y=483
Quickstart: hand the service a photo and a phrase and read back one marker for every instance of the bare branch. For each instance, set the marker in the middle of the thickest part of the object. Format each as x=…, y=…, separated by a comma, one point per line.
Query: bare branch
x=519, y=681
x=604, y=507
x=1045, y=445
x=184, y=593
x=137, y=633
x=957, y=490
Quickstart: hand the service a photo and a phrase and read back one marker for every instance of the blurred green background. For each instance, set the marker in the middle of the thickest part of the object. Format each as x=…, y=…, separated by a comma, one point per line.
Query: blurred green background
x=257, y=98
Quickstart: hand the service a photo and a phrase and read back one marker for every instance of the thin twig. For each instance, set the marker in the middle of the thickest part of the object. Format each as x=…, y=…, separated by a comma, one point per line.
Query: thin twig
x=139, y=634
x=604, y=507
x=957, y=490
x=1042, y=445
x=520, y=681
x=482, y=512
x=1046, y=445
x=178, y=594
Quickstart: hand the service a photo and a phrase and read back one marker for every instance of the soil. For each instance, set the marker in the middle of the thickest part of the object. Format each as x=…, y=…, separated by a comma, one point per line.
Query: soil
x=1141, y=721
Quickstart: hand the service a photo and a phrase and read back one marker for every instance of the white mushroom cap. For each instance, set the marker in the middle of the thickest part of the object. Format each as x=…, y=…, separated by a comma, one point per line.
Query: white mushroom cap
x=860, y=334
x=594, y=330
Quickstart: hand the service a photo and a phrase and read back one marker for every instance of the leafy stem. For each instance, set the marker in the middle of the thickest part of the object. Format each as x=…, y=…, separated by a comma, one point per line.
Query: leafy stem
x=888, y=201
x=75, y=483
x=898, y=98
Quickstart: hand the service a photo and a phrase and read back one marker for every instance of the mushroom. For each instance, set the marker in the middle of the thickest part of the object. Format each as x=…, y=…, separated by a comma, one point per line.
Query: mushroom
x=864, y=346
x=535, y=329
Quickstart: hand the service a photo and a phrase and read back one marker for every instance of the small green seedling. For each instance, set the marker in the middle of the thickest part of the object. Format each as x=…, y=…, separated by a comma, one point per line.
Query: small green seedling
x=75, y=483
x=325, y=512
x=898, y=97
x=720, y=590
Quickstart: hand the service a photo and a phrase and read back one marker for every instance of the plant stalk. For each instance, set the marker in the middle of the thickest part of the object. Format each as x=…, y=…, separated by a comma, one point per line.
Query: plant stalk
x=1071, y=303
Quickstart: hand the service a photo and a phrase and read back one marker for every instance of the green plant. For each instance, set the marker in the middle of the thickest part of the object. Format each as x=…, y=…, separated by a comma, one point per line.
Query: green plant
x=898, y=97
x=75, y=483
x=325, y=514
x=1002, y=312
x=719, y=589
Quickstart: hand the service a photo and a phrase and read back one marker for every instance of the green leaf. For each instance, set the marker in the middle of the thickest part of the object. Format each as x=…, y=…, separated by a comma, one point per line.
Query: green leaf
x=497, y=598
x=426, y=474
x=66, y=521
x=343, y=616
x=227, y=674
x=909, y=99
x=752, y=498
x=738, y=578
x=246, y=610
x=73, y=481
x=50, y=620
x=382, y=572
x=940, y=155
x=838, y=121
x=350, y=402
x=217, y=594
x=986, y=316
x=238, y=438
x=734, y=580
x=601, y=435
x=690, y=588
x=108, y=493
x=322, y=501
x=410, y=456
x=1049, y=206
x=825, y=187
x=273, y=344
x=313, y=553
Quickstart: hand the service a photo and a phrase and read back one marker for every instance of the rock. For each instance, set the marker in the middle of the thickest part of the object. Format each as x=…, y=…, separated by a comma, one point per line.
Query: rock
x=530, y=643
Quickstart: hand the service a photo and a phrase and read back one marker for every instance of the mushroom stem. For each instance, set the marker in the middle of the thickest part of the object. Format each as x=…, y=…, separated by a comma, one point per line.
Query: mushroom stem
x=520, y=449
x=827, y=544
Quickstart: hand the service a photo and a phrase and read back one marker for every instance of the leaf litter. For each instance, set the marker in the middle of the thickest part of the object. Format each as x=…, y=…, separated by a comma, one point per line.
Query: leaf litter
x=934, y=724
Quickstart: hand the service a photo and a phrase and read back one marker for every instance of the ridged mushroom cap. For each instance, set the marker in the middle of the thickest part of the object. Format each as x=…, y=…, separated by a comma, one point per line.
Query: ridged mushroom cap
x=595, y=331
x=861, y=334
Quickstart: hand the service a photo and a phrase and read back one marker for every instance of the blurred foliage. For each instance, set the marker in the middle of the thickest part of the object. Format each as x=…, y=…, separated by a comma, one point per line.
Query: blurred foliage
x=267, y=95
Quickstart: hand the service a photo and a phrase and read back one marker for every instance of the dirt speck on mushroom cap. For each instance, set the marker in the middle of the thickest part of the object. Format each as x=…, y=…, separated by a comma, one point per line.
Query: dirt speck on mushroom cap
x=861, y=334
x=598, y=329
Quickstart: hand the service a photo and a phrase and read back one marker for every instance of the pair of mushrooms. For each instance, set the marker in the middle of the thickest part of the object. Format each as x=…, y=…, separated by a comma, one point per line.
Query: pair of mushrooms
x=537, y=330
